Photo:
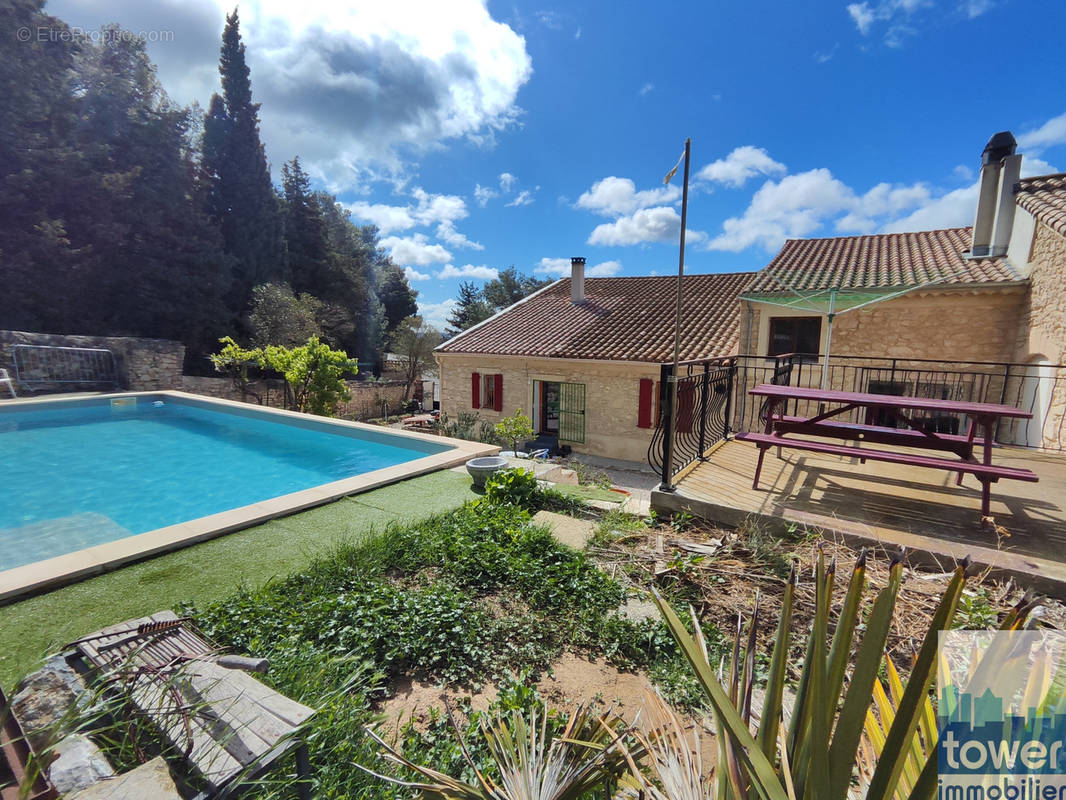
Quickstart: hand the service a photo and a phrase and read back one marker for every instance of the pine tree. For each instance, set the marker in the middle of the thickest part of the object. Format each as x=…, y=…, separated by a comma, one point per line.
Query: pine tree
x=509, y=287
x=396, y=294
x=240, y=196
x=305, y=234
x=470, y=309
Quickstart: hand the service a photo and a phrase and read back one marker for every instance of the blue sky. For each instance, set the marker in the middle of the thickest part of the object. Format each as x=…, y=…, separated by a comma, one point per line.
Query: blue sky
x=478, y=136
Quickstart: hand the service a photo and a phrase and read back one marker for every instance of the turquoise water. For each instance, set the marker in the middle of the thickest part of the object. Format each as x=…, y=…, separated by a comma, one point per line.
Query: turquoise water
x=82, y=474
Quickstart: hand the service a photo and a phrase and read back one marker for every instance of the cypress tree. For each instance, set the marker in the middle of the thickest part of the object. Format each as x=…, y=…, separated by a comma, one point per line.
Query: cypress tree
x=240, y=195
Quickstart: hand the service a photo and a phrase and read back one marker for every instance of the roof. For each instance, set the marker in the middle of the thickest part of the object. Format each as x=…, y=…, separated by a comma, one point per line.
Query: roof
x=880, y=261
x=1045, y=198
x=622, y=319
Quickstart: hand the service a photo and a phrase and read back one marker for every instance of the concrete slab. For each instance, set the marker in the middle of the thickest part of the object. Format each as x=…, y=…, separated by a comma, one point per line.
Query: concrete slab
x=572, y=532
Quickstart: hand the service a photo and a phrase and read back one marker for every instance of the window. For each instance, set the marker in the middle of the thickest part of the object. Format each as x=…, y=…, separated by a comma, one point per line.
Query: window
x=795, y=335
x=488, y=391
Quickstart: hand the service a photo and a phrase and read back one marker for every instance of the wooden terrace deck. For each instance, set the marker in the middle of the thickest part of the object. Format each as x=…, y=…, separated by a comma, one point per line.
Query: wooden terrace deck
x=892, y=505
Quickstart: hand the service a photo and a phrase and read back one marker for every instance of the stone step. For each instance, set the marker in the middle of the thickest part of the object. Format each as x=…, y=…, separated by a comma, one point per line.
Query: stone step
x=573, y=532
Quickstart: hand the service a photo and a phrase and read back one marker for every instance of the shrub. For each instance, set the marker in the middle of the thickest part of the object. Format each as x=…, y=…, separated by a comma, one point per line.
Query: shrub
x=315, y=372
x=516, y=487
x=514, y=428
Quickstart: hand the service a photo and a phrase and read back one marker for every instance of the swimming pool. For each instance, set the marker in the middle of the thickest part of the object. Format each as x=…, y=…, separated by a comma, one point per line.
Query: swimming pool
x=76, y=474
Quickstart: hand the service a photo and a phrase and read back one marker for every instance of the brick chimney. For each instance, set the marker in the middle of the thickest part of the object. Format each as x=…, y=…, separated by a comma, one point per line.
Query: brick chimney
x=1000, y=170
x=577, y=280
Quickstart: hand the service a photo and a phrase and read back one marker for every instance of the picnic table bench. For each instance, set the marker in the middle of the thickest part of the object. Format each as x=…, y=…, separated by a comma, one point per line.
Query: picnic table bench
x=230, y=726
x=780, y=430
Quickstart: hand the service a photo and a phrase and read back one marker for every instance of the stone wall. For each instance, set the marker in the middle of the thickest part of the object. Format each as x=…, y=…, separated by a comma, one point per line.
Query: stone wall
x=611, y=396
x=1046, y=310
x=366, y=402
x=947, y=325
x=143, y=364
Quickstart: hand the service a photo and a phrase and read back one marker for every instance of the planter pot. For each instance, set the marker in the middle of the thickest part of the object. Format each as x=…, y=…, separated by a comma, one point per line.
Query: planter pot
x=481, y=468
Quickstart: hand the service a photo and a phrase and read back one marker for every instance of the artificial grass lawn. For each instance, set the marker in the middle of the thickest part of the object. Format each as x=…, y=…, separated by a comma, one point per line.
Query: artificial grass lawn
x=207, y=572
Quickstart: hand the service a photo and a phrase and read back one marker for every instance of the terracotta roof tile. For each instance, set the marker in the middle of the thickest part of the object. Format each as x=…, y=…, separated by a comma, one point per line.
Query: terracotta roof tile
x=1045, y=198
x=879, y=261
x=622, y=319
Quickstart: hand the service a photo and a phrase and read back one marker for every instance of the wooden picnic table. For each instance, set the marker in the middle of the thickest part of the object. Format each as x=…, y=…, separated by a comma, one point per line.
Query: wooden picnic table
x=909, y=434
x=419, y=421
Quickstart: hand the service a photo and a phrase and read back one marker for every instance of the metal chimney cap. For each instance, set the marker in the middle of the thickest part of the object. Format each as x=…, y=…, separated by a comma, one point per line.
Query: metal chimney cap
x=577, y=260
x=999, y=147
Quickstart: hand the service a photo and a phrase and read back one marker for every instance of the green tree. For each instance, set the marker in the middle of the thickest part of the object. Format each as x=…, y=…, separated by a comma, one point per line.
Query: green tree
x=396, y=295
x=305, y=234
x=315, y=373
x=241, y=197
x=470, y=309
x=414, y=341
x=281, y=317
x=237, y=363
x=509, y=287
x=515, y=428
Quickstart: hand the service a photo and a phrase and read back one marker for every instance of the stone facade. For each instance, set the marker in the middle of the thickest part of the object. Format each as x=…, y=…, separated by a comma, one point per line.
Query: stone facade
x=948, y=325
x=1045, y=311
x=144, y=365
x=611, y=396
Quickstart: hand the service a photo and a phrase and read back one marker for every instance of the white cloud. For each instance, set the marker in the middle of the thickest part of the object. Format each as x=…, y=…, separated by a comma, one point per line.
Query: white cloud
x=553, y=266
x=413, y=274
x=963, y=172
x=646, y=88
x=483, y=194
x=743, y=163
x=414, y=251
x=794, y=206
x=387, y=218
x=428, y=209
x=952, y=210
x=1052, y=132
x=604, y=269
x=613, y=197
x=1036, y=166
x=561, y=268
x=446, y=231
x=436, y=314
x=660, y=224
x=468, y=271
x=507, y=181
x=902, y=18
x=356, y=89
x=523, y=198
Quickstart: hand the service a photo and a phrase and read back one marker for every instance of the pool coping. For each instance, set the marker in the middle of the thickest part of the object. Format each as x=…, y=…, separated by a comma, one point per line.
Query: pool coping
x=54, y=572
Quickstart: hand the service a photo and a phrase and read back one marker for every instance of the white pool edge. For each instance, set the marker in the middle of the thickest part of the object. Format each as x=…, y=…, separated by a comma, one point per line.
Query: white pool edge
x=54, y=572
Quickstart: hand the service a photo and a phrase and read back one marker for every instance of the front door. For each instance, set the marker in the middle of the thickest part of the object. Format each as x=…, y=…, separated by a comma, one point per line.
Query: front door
x=549, y=408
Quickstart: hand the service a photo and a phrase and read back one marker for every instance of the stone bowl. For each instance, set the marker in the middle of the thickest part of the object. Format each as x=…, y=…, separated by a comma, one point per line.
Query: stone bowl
x=481, y=468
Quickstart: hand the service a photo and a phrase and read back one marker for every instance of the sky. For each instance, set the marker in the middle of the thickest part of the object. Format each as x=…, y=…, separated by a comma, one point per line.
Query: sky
x=481, y=135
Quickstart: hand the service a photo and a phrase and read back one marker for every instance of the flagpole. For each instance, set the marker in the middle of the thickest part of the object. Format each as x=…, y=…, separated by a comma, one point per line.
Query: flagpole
x=668, y=455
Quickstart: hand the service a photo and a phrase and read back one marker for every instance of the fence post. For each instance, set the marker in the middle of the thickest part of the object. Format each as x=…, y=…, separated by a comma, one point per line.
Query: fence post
x=730, y=382
x=669, y=389
x=1002, y=401
x=703, y=408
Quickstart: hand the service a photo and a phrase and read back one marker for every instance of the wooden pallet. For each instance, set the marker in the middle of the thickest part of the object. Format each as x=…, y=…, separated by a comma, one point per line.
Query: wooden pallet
x=230, y=726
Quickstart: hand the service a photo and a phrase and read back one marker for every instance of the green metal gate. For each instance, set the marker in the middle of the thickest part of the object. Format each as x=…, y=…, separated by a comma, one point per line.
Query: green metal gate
x=572, y=412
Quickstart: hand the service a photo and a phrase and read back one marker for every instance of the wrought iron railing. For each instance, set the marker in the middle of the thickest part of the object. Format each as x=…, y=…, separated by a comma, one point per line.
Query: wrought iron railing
x=713, y=399
x=703, y=407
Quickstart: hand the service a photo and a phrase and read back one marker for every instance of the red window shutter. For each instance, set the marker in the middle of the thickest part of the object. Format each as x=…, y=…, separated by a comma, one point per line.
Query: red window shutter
x=475, y=390
x=497, y=389
x=686, y=402
x=644, y=403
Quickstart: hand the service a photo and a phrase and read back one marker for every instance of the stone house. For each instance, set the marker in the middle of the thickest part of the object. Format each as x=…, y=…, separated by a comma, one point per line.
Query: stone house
x=583, y=354
x=581, y=357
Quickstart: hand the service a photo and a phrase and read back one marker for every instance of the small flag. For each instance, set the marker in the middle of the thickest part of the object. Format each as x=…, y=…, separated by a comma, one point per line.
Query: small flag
x=673, y=172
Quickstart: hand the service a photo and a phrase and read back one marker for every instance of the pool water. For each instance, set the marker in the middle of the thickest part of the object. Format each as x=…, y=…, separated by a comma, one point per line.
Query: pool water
x=77, y=474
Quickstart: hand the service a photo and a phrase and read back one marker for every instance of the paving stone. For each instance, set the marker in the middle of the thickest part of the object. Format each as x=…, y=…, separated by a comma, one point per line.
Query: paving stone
x=44, y=698
x=149, y=780
x=79, y=764
x=639, y=609
x=569, y=531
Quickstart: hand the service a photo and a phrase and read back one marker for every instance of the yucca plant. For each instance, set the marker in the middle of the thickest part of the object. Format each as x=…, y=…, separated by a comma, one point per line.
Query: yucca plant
x=532, y=763
x=813, y=757
x=888, y=695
